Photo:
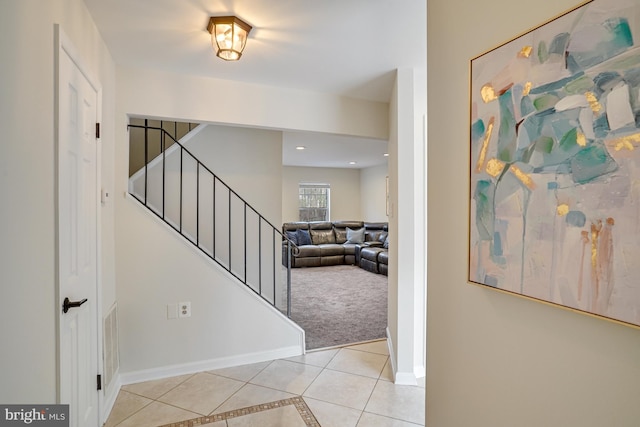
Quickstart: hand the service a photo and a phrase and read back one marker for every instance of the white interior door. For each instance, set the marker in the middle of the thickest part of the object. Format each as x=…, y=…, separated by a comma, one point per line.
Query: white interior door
x=77, y=239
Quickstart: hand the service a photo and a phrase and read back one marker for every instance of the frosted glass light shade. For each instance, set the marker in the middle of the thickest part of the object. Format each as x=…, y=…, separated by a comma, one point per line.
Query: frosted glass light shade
x=228, y=36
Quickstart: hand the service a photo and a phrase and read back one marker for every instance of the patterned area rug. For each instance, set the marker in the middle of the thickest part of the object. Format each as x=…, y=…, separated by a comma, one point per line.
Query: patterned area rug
x=338, y=305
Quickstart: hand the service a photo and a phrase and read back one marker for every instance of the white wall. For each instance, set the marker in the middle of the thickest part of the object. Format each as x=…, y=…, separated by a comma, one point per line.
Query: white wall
x=392, y=297
x=247, y=160
x=27, y=187
x=345, y=191
x=229, y=325
x=192, y=98
x=373, y=193
x=496, y=359
x=407, y=224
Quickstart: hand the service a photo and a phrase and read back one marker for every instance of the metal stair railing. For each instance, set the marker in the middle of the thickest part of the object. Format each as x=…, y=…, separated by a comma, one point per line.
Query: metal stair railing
x=185, y=194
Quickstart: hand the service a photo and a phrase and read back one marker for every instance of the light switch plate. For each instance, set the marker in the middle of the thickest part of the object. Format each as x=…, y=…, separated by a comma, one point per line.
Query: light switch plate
x=172, y=311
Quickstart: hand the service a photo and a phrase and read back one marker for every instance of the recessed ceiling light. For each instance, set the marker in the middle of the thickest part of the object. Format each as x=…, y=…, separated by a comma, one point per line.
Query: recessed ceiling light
x=300, y=147
x=352, y=163
x=386, y=154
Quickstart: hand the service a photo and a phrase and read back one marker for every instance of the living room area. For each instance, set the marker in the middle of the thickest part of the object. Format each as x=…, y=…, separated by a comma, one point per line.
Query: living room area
x=338, y=293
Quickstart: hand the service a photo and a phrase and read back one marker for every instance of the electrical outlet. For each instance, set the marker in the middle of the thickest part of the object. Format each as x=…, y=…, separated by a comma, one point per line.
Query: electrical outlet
x=184, y=309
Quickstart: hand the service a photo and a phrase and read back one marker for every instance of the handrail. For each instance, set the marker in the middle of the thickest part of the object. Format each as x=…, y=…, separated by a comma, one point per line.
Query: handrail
x=160, y=208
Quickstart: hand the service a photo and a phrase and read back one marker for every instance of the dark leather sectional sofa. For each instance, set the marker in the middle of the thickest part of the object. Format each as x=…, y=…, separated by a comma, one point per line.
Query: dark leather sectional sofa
x=320, y=243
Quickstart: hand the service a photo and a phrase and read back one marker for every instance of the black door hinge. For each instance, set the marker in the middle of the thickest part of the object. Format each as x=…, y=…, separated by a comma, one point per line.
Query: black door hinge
x=97, y=130
x=99, y=382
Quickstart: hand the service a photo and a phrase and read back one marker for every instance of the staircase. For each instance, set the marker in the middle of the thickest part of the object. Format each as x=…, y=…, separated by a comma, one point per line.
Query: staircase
x=184, y=193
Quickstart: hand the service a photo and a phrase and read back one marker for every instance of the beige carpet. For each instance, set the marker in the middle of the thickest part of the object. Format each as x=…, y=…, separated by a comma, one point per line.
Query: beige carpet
x=338, y=305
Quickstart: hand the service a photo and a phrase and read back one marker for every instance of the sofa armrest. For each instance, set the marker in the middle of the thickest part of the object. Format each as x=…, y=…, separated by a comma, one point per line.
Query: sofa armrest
x=286, y=243
x=372, y=244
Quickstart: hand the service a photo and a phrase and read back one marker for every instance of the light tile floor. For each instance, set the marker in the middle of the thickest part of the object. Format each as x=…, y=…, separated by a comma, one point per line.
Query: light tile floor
x=342, y=387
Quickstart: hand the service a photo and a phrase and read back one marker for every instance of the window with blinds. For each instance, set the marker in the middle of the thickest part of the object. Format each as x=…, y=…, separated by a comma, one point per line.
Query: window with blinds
x=313, y=202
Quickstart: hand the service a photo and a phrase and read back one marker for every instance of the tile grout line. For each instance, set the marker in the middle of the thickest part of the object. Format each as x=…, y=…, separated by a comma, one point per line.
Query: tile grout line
x=180, y=407
x=322, y=369
x=154, y=400
x=361, y=375
x=135, y=412
x=248, y=382
x=372, y=391
x=326, y=368
x=157, y=400
x=383, y=415
x=340, y=346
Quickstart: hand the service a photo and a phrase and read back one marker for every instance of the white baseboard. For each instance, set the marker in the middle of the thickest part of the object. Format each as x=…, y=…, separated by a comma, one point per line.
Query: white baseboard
x=417, y=377
x=406, y=378
x=208, y=365
x=110, y=396
x=392, y=354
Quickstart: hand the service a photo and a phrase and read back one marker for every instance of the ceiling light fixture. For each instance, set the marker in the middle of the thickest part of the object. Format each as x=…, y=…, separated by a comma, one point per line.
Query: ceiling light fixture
x=300, y=147
x=352, y=163
x=228, y=35
x=386, y=154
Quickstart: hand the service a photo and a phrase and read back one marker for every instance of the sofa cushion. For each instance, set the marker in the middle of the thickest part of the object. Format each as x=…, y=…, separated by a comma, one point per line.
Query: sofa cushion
x=355, y=236
x=383, y=257
x=386, y=243
x=368, y=265
x=308, y=251
x=322, y=237
x=351, y=224
x=313, y=261
x=341, y=234
x=373, y=244
x=349, y=248
x=370, y=253
x=332, y=260
x=293, y=226
x=303, y=236
x=376, y=226
x=292, y=235
x=331, y=249
x=374, y=235
x=383, y=269
x=320, y=225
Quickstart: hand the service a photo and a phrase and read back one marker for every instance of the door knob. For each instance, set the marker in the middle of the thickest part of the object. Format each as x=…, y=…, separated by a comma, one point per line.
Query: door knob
x=66, y=305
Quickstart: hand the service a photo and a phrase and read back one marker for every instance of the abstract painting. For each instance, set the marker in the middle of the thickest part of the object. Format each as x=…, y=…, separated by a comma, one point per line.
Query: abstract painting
x=555, y=162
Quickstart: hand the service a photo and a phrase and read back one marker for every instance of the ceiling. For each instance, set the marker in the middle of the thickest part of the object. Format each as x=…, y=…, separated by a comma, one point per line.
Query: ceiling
x=345, y=47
